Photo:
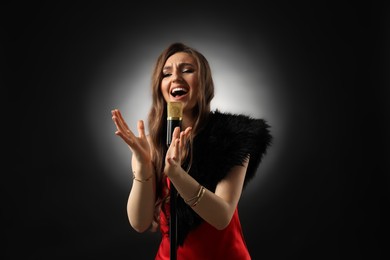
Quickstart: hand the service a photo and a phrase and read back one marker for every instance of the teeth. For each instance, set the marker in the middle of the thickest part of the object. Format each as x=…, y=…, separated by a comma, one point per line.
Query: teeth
x=178, y=92
x=179, y=89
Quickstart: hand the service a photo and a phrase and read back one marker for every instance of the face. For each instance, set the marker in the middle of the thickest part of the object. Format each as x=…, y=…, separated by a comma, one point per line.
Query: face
x=180, y=80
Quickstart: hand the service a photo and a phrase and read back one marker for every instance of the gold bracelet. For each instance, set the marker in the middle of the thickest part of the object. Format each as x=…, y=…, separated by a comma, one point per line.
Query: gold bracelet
x=140, y=180
x=200, y=197
x=195, y=197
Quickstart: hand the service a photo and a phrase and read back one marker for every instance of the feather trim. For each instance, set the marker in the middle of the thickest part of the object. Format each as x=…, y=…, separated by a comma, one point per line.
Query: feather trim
x=225, y=142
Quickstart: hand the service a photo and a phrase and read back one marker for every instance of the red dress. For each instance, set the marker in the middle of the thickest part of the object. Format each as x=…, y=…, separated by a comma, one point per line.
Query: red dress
x=205, y=241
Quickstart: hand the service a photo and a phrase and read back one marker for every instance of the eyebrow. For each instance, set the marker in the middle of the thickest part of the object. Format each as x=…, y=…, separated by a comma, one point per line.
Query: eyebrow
x=180, y=65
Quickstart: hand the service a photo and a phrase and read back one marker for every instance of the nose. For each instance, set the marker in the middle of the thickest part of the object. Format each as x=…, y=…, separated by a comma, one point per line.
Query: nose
x=176, y=76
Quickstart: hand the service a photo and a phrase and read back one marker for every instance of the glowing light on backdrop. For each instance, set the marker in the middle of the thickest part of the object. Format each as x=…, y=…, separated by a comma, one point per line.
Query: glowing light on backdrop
x=246, y=81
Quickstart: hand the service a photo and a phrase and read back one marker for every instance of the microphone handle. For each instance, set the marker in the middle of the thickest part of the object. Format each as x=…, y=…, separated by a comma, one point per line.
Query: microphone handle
x=171, y=125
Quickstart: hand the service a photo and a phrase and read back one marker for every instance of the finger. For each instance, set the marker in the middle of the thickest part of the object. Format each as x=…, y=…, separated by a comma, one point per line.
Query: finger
x=173, y=147
x=176, y=151
x=126, y=134
x=113, y=115
x=116, y=113
x=186, y=136
x=116, y=116
x=123, y=127
x=176, y=133
x=125, y=138
x=141, y=128
x=119, y=113
x=121, y=119
x=115, y=119
x=188, y=131
x=119, y=125
x=182, y=140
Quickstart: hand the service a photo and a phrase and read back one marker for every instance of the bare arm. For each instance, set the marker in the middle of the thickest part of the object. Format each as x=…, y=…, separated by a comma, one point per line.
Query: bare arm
x=141, y=200
x=140, y=204
x=215, y=208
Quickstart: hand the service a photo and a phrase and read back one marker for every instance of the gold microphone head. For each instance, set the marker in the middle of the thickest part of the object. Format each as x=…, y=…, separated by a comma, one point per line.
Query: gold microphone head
x=175, y=110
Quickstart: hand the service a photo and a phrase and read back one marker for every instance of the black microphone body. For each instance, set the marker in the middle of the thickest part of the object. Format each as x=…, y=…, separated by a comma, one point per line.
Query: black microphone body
x=174, y=119
x=171, y=125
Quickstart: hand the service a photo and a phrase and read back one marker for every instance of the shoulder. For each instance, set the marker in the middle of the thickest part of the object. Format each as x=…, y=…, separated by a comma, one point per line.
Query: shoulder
x=232, y=137
x=226, y=123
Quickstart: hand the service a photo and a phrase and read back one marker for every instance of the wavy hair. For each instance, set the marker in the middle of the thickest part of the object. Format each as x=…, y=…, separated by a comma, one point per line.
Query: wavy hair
x=157, y=117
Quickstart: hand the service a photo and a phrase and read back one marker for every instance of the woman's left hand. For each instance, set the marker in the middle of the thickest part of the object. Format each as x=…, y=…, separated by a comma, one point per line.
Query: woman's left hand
x=176, y=150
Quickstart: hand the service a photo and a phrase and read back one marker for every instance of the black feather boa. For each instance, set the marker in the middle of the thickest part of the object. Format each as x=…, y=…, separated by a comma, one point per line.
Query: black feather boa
x=225, y=142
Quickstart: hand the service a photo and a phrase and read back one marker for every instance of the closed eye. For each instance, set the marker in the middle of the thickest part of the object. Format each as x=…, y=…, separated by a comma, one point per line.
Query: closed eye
x=188, y=71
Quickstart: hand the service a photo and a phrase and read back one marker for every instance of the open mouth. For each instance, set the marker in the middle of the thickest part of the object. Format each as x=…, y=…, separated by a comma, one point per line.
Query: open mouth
x=178, y=92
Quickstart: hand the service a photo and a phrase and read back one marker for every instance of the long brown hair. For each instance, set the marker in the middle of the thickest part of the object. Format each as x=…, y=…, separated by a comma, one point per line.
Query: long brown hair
x=158, y=115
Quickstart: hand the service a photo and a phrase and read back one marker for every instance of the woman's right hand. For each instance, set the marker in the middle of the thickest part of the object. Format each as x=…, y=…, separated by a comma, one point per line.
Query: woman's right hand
x=138, y=145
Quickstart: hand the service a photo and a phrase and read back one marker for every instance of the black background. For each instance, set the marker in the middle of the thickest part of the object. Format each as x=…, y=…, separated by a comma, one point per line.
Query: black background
x=56, y=204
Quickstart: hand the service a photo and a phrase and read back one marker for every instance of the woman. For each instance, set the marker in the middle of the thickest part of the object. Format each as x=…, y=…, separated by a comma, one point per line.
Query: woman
x=209, y=162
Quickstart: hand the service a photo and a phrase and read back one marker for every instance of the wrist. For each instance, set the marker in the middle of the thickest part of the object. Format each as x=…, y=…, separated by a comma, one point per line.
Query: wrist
x=174, y=172
x=138, y=179
x=143, y=171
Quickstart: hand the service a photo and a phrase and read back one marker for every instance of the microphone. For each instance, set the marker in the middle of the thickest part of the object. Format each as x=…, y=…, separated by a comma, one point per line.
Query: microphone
x=175, y=116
